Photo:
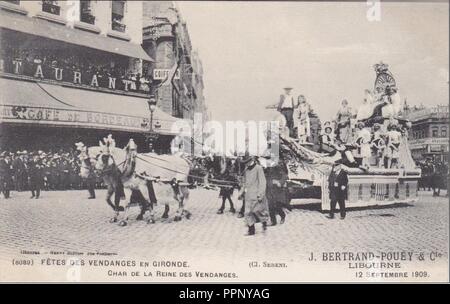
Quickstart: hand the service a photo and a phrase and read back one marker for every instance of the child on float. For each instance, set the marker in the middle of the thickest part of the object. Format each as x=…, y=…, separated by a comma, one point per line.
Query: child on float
x=327, y=139
x=362, y=142
x=393, y=146
x=378, y=144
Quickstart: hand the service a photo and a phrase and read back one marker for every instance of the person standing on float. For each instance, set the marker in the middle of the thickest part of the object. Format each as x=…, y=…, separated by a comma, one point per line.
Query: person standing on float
x=302, y=119
x=343, y=122
x=286, y=107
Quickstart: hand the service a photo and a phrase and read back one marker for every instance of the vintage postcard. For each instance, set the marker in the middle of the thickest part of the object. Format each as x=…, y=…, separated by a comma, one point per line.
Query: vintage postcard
x=209, y=141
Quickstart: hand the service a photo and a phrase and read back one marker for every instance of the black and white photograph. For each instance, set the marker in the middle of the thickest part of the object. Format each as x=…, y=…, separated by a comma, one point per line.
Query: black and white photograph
x=224, y=141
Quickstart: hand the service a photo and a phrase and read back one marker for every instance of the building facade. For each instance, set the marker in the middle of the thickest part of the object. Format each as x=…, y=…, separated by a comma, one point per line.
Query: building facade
x=75, y=71
x=429, y=134
x=166, y=39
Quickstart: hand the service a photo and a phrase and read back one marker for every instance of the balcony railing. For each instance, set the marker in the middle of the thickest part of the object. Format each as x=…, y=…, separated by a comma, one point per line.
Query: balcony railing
x=51, y=8
x=117, y=26
x=87, y=18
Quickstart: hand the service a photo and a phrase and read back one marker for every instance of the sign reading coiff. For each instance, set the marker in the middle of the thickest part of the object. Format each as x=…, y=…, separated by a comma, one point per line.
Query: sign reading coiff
x=161, y=74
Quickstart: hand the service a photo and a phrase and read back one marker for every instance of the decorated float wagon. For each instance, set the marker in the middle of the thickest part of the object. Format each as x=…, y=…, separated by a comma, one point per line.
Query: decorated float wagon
x=373, y=145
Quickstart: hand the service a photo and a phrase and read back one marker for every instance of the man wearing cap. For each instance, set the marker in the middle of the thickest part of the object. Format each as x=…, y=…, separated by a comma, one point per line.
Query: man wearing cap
x=5, y=174
x=337, y=185
x=254, y=192
x=36, y=176
x=87, y=171
x=286, y=107
x=19, y=171
x=277, y=194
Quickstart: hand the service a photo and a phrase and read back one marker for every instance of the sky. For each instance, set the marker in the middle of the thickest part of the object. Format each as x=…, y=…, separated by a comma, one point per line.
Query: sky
x=325, y=51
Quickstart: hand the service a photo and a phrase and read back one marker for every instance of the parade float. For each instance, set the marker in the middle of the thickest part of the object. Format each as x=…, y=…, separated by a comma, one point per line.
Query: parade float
x=386, y=175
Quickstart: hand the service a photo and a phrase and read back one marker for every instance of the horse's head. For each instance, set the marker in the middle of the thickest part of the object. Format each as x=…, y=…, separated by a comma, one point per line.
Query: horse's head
x=106, y=155
x=100, y=158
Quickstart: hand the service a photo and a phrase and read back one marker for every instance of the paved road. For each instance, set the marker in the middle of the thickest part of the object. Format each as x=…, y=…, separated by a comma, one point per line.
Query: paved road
x=68, y=221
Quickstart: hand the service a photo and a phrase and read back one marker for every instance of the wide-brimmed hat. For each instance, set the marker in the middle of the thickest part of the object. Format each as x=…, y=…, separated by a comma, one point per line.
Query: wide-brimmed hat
x=247, y=159
x=287, y=88
x=328, y=128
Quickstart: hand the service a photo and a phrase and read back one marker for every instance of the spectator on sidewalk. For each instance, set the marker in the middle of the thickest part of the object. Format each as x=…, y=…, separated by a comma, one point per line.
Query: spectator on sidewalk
x=36, y=176
x=6, y=174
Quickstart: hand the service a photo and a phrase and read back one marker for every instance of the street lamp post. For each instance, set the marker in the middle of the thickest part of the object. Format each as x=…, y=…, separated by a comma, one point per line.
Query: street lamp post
x=152, y=107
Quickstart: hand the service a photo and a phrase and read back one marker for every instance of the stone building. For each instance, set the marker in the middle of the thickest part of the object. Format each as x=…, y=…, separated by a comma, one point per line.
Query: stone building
x=73, y=71
x=429, y=134
x=166, y=39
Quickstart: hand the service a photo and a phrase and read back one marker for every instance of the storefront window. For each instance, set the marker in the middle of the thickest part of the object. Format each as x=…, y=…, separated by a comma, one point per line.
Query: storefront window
x=117, y=16
x=444, y=132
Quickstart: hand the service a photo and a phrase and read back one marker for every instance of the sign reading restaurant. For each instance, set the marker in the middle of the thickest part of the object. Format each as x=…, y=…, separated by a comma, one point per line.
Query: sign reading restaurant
x=41, y=71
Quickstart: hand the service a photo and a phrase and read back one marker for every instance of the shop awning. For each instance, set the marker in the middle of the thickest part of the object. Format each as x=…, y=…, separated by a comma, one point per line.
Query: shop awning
x=50, y=30
x=48, y=104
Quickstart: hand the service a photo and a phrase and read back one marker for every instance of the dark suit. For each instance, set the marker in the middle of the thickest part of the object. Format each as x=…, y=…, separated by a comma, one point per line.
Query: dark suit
x=5, y=177
x=338, y=186
x=19, y=174
x=90, y=180
x=36, y=176
x=277, y=194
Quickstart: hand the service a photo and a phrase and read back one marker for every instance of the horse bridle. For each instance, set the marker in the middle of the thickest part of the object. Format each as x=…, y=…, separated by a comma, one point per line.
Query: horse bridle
x=110, y=167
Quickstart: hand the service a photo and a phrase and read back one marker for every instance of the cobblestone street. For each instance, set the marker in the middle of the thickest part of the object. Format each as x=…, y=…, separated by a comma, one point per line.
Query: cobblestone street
x=68, y=221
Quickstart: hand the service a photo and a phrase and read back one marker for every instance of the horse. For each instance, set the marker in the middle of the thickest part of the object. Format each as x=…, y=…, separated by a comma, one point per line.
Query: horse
x=87, y=162
x=147, y=175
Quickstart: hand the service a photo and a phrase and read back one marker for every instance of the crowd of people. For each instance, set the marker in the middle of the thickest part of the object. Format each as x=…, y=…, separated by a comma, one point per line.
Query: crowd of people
x=69, y=61
x=38, y=170
x=435, y=176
